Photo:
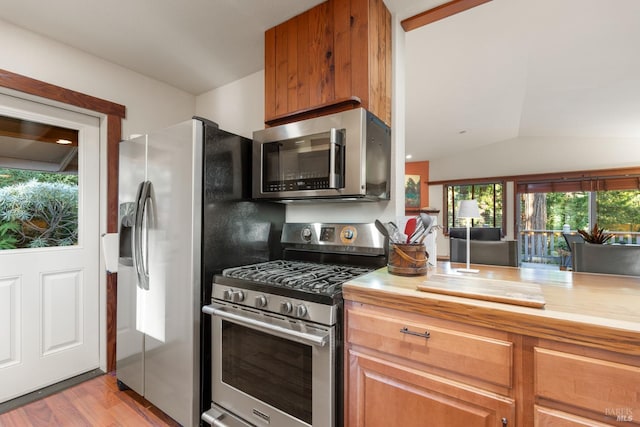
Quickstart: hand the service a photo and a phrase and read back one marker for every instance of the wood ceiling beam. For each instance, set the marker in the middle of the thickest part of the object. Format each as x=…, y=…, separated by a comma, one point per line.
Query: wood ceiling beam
x=439, y=12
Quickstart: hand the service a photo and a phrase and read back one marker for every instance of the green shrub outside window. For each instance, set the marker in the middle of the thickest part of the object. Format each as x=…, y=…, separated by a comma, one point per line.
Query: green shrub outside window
x=37, y=209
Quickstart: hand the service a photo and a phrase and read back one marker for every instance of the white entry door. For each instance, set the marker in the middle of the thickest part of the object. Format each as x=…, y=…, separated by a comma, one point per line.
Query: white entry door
x=49, y=292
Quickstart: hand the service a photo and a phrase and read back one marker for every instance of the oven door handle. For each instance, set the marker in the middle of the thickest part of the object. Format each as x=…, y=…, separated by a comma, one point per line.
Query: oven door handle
x=301, y=337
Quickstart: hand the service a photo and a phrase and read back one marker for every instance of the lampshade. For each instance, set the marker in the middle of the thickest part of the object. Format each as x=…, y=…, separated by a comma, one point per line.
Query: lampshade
x=468, y=209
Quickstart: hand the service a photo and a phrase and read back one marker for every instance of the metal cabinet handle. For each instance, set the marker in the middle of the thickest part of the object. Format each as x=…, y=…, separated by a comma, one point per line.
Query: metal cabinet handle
x=424, y=334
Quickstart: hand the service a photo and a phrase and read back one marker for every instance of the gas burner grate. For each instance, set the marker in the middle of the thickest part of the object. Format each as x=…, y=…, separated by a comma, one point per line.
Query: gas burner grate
x=306, y=276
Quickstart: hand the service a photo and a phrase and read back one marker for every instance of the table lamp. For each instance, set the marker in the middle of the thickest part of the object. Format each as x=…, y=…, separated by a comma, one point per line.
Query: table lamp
x=468, y=209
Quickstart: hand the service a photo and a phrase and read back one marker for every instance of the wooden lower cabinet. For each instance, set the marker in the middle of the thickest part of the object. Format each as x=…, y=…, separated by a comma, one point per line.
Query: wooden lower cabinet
x=586, y=386
x=409, y=370
x=383, y=394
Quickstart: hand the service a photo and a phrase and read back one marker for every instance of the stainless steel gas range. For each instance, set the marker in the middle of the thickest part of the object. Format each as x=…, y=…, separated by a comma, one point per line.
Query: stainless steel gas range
x=277, y=328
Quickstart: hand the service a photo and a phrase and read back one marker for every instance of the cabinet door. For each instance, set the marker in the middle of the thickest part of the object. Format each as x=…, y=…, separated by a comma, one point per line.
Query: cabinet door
x=299, y=63
x=608, y=389
x=382, y=394
x=333, y=57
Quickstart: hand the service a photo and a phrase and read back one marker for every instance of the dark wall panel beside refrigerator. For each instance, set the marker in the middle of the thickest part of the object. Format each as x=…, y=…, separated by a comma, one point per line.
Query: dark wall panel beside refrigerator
x=236, y=231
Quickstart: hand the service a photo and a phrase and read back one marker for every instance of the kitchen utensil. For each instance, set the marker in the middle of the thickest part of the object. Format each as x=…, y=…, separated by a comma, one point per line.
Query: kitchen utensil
x=423, y=229
x=390, y=231
x=395, y=235
x=410, y=228
x=417, y=232
x=382, y=229
x=427, y=222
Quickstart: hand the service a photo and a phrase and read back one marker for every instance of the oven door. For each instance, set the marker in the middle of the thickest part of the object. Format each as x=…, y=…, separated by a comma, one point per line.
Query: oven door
x=272, y=370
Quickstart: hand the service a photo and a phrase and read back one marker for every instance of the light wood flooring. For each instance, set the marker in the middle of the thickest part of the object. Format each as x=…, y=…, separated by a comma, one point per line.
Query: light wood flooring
x=96, y=402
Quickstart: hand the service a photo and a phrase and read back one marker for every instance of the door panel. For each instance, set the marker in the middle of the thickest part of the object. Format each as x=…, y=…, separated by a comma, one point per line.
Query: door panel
x=50, y=295
x=10, y=290
x=62, y=308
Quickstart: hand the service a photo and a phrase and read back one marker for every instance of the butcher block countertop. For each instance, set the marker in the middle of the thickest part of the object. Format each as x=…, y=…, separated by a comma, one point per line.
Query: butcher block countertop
x=596, y=310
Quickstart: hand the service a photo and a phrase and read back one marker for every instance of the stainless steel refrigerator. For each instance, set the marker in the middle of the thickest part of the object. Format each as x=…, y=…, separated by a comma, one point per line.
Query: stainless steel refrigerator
x=185, y=214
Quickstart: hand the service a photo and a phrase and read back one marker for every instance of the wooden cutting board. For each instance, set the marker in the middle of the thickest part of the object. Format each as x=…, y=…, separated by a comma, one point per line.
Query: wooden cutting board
x=517, y=293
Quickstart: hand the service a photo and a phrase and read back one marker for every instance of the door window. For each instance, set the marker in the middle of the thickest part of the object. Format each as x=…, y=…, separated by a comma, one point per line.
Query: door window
x=38, y=185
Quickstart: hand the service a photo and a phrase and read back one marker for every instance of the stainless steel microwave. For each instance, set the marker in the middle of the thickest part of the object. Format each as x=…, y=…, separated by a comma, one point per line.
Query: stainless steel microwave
x=345, y=155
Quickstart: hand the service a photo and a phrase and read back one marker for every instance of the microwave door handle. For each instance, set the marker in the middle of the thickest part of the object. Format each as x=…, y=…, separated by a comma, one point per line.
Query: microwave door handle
x=301, y=337
x=336, y=144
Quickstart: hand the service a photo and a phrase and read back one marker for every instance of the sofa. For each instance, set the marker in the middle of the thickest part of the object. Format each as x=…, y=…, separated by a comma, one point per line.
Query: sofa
x=607, y=259
x=476, y=233
x=494, y=252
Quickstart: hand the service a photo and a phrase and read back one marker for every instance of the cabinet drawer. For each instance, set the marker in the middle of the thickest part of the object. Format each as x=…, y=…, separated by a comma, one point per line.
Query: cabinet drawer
x=545, y=417
x=600, y=386
x=463, y=354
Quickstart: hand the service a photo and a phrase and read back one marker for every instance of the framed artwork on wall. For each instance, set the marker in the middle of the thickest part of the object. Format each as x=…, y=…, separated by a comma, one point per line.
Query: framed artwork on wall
x=412, y=191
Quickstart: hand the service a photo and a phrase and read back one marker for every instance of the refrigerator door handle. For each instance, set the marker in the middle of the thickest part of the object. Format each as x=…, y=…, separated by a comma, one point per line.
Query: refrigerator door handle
x=141, y=234
x=135, y=234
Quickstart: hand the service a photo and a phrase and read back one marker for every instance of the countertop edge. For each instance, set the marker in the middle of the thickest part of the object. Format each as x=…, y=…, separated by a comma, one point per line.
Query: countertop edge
x=586, y=331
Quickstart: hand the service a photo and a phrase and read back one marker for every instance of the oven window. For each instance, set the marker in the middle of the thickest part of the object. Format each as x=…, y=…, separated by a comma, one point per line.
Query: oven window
x=271, y=369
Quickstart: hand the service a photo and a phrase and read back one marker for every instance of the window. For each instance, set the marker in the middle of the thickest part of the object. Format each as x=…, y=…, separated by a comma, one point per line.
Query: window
x=545, y=212
x=490, y=198
x=611, y=202
x=548, y=207
x=618, y=210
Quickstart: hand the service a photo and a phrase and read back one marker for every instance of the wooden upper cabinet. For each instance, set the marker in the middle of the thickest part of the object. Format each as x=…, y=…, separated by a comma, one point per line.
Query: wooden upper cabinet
x=333, y=57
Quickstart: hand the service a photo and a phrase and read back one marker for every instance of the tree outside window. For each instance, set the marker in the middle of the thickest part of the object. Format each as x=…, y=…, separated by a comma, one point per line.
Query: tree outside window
x=616, y=210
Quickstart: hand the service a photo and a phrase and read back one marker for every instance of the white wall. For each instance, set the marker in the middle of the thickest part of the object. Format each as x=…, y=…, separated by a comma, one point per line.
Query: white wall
x=237, y=107
x=150, y=104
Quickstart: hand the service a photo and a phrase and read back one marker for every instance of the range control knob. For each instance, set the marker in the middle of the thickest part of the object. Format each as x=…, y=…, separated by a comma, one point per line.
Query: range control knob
x=261, y=301
x=301, y=310
x=306, y=234
x=227, y=295
x=286, y=307
x=348, y=235
x=237, y=296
